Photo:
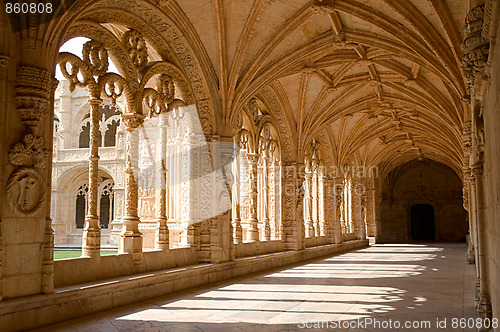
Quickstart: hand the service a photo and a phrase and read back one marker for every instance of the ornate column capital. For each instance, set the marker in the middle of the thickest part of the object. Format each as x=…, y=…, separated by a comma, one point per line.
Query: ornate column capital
x=33, y=88
x=132, y=120
x=253, y=157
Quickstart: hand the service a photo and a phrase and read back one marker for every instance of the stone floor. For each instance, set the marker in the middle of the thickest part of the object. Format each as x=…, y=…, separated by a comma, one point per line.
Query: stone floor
x=387, y=284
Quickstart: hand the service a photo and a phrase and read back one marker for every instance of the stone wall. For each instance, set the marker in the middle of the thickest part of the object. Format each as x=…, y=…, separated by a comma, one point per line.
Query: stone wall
x=492, y=178
x=423, y=182
x=34, y=311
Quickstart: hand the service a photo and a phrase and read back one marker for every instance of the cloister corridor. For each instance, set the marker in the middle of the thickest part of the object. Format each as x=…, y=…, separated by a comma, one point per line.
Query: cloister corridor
x=397, y=282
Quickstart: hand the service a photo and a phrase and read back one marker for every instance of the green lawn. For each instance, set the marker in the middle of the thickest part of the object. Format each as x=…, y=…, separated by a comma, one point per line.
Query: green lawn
x=60, y=254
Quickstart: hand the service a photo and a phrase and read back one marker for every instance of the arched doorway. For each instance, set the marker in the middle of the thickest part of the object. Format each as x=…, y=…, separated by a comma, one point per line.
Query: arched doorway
x=422, y=222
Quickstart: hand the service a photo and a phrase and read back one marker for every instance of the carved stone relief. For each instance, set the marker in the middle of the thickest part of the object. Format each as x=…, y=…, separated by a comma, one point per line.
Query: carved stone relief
x=26, y=191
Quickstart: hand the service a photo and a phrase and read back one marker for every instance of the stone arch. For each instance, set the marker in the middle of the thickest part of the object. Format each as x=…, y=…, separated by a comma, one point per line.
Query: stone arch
x=167, y=37
x=65, y=202
x=423, y=182
x=277, y=111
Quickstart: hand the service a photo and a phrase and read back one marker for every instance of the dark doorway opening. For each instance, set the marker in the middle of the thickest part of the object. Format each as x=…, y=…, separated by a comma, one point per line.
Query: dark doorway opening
x=80, y=211
x=104, y=212
x=422, y=222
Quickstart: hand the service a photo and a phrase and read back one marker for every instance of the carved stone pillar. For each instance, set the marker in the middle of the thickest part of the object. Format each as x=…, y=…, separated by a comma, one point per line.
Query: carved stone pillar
x=329, y=209
x=309, y=226
x=252, y=229
x=191, y=162
x=338, y=190
x=376, y=213
x=292, y=206
x=236, y=193
x=475, y=48
x=360, y=193
x=204, y=253
x=471, y=237
x=322, y=206
x=299, y=209
x=355, y=210
x=91, y=244
x=27, y=189
x=266, y=230
x=484, y=306
x=315, y=200
x=130, y=236
x=369, y=217
x=275, y=198
x=162, y=234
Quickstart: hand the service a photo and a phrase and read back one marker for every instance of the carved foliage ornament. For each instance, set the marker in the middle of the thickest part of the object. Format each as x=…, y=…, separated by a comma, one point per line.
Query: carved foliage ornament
x=475, y=47
x=132, y=121
x=136, y=47
x=29, y=152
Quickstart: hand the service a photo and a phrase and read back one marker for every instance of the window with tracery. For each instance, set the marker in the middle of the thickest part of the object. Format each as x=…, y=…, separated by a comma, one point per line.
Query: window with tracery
x=346, y=212
x=81, y=205
x=108, y=125
x=257, y=173
x=314, y=204
x=105, y=206
x=268, y=184
x=106, y=203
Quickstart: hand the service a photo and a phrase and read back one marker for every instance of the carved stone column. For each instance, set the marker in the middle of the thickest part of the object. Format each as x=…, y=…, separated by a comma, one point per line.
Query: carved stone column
x=252, y=222
x=191, y=162
x=91, y=244
x=484, y=306
x=370, y=219
x=338, y=190
x=131, y=237
x=288, y=205
x=361, y=193
x=27, y=189
x=309, y=226
x=292, y=206
x=266, y=230
x=162, y=234
x=475, y=48
x=322, y=206
x=471, y=237
x=329, y=210
x=355, y=210
x=315, y=200
x=299, y=209
x=236, y=203
x=376, y=213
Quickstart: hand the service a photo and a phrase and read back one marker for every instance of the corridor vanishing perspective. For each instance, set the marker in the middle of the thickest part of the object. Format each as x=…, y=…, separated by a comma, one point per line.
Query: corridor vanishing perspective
x=366, y=290
x=150, y=147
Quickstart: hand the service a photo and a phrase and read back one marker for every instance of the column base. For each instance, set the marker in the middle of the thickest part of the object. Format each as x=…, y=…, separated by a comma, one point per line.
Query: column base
x=470, y=257
x=484, y=309
x=238, y=231
x=91, y=244
x=252, y=231
x=130, y=243
x=162, y=235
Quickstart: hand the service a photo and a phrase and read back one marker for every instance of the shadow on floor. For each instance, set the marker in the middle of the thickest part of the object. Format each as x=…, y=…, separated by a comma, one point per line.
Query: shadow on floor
x=422, y=284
